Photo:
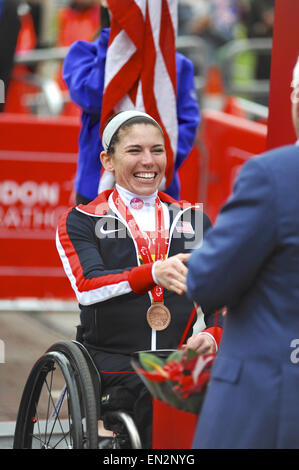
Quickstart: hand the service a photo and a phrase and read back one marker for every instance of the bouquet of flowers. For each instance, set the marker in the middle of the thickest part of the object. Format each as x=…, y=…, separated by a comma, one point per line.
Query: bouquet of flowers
x=180, y=380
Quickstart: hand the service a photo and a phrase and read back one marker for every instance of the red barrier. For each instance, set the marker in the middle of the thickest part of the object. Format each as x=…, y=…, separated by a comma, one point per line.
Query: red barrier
x=189, y=174
x=228, y=142
x=37, y=167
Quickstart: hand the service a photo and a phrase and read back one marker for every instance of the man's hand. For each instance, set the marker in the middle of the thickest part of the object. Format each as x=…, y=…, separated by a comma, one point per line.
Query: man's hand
x=201, y=343
x=172, y=273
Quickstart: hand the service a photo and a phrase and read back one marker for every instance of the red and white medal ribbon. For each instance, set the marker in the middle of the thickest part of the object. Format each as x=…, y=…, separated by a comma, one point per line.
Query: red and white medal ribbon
x=161, y=240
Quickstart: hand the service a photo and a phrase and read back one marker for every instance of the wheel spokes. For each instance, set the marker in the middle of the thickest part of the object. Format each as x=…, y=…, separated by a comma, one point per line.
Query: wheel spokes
x=52, y=419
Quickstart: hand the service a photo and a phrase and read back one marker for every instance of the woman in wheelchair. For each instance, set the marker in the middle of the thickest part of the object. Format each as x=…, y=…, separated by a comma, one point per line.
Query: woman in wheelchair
x=125, y=254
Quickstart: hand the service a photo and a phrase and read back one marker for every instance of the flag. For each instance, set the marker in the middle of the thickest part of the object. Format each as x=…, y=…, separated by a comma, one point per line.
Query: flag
x=140, y=71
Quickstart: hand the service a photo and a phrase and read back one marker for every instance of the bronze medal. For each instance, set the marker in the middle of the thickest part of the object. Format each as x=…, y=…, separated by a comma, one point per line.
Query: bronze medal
x=158, y=316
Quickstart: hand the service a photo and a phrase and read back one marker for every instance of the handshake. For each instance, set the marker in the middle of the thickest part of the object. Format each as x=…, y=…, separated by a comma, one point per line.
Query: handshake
x=172, y=275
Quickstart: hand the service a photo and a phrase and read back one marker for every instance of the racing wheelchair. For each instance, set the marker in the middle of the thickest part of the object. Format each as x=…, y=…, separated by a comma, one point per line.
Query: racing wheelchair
x=63, y=402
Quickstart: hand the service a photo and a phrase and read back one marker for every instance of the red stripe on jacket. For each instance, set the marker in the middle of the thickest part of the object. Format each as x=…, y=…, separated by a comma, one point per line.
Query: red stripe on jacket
x=139, y=278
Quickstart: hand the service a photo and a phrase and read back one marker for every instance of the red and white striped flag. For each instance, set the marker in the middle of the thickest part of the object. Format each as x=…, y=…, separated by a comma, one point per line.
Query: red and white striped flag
x=140, y=70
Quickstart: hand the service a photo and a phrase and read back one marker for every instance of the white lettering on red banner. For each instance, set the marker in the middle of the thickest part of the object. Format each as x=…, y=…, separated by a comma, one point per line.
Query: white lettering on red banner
x=29, y=205
x=29, y=193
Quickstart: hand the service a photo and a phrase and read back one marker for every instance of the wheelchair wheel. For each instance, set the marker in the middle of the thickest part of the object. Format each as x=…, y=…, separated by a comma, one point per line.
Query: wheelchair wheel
x=126, y=435
x=58, y=405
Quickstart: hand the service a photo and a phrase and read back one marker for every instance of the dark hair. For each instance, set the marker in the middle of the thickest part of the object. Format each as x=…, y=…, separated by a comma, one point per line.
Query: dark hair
x=130, y=122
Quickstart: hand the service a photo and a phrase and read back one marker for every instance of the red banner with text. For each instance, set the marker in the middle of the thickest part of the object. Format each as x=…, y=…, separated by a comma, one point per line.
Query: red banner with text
x=36, y=187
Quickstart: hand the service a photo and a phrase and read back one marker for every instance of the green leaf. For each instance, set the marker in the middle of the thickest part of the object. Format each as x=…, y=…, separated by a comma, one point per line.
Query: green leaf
x=191, y=354
x=175, y=356
x=147, y=359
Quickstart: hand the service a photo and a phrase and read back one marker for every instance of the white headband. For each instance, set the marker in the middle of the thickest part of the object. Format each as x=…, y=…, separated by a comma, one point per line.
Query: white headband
x=117, y=121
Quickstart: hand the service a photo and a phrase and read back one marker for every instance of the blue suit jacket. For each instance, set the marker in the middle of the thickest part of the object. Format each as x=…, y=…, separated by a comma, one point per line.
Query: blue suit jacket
x=84, y=70
x=250, y=262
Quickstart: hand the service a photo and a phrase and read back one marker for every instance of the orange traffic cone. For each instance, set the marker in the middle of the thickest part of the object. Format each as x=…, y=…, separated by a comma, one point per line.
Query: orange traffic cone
x=232, y=106
x=213, y=93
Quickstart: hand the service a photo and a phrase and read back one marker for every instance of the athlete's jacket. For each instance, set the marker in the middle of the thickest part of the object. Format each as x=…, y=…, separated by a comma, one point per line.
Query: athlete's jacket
x=112, y=285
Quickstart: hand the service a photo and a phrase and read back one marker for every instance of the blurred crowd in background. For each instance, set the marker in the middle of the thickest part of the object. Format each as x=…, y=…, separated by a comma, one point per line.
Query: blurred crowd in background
x=43, y=24
x=220, y=21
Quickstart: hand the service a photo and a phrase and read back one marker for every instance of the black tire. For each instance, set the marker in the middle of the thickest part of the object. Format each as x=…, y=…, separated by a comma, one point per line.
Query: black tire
x=69, y=422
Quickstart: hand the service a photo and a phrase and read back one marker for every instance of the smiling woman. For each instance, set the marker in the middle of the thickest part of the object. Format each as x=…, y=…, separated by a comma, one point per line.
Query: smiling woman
x=125, y=254
x=135, y=152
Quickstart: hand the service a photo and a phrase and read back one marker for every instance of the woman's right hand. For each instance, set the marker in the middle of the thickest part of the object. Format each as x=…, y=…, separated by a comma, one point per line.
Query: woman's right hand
x=172, y=273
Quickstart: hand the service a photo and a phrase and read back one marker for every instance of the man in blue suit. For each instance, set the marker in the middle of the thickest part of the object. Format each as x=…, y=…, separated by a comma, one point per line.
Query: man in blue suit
x=249, y=262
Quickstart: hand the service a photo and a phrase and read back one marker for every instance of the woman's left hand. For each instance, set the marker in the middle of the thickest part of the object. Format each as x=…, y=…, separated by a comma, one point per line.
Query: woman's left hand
x=201, y=343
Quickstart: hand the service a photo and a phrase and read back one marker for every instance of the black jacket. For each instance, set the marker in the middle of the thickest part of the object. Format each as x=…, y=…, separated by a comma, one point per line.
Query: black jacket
x=100, y=258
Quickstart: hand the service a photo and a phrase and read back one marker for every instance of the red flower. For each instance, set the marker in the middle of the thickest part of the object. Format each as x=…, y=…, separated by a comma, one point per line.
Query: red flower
x=184, y=377
x=155, y=376
x=189, y=364
x=185, y=386
x=202, y=379
x=174, y=370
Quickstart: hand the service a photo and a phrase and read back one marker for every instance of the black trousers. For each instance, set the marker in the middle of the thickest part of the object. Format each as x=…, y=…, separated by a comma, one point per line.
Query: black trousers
x=116, y=370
